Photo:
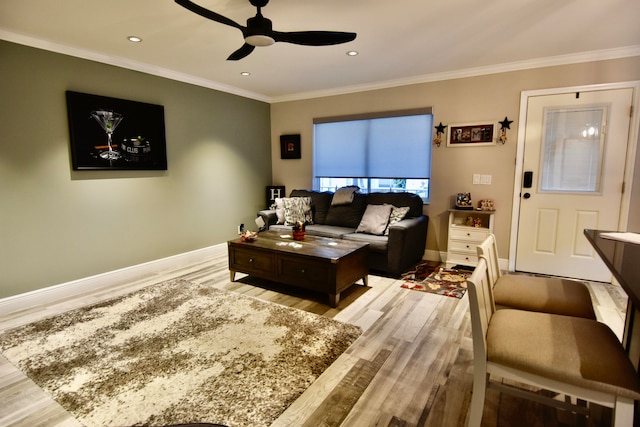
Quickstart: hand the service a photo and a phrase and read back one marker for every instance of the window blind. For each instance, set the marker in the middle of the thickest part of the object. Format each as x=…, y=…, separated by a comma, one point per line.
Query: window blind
x=378, y=147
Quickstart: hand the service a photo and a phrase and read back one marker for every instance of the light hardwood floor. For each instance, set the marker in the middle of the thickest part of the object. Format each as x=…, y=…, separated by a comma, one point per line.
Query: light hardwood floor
x=411, y=366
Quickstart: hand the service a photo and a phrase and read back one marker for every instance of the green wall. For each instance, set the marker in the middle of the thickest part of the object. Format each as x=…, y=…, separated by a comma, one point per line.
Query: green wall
x=58, y=225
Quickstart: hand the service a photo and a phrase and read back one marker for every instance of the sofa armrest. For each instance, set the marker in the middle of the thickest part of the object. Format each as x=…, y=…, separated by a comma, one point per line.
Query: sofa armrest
x=269, y=217
x=407, y=241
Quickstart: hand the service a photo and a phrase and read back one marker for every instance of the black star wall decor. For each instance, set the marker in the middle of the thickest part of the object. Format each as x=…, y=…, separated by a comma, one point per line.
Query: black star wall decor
x=439, y=131
x=506, y=123
x=440, y=128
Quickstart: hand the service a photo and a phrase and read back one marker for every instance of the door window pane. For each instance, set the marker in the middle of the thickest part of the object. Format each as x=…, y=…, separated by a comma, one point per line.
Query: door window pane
x=572, y=147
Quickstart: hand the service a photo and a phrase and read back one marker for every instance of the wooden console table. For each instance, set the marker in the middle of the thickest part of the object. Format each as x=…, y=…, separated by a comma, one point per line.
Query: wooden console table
x=317, y=263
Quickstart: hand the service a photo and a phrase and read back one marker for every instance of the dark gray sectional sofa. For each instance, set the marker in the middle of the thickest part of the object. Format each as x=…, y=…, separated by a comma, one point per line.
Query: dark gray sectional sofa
x=390, y=254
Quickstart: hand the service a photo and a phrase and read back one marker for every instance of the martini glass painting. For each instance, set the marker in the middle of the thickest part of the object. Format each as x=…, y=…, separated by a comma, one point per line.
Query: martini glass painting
x=109, y=121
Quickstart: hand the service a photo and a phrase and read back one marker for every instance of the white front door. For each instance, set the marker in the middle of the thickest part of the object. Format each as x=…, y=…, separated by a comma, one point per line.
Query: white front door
x=573, y=175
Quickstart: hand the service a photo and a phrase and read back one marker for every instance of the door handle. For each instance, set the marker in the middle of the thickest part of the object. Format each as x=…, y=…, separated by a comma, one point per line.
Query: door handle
x=526, y=195
x=527, y=181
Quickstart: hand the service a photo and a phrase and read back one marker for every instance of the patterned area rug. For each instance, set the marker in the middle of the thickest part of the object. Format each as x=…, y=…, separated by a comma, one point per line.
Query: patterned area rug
x=178, y=352
x=434, y=279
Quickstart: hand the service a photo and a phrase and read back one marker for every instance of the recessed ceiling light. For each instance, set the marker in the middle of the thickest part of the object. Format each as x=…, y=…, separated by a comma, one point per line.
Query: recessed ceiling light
x=134, y=39
x=245, y=73
x=352, y=53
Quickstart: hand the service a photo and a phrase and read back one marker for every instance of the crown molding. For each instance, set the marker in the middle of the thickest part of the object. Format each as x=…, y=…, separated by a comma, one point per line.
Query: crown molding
x=576, y=58
x=128, y=64
x=597, y=55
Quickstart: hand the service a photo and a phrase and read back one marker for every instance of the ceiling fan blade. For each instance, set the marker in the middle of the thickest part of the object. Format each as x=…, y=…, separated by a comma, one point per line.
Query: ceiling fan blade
x=245, y=50
x=208, y=14
x=313, y=38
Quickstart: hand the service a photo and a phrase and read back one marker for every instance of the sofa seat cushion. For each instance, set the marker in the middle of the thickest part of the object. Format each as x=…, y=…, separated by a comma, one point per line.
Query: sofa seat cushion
x=331, y=231
x=376, y=243
x=281, y=228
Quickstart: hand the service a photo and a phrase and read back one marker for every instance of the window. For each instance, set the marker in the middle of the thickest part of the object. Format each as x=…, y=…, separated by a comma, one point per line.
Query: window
x=573, y=148
x=377, y=152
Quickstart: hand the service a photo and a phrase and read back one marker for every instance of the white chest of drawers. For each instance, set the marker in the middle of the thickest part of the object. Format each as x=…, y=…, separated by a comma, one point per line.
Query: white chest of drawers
x=463, y=238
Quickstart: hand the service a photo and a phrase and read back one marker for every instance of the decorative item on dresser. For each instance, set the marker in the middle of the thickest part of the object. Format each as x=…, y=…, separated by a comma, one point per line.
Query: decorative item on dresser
x=467, y=228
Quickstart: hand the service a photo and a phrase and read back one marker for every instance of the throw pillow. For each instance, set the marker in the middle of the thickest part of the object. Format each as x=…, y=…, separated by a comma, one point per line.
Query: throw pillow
x=375, y=219
x=344, y=195
x=280, y=210
x=397, y=215
x=297, y=209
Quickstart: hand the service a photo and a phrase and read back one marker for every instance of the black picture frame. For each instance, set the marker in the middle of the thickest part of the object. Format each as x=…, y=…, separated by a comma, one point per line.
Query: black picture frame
x=138, y=140
x=290, y=147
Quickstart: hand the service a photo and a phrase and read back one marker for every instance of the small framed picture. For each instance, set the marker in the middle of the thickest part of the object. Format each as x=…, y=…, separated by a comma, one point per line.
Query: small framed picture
x=472, y=135
x=290, y=147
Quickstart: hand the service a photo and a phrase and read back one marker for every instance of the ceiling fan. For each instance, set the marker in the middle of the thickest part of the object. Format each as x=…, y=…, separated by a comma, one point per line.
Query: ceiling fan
x=259, y=32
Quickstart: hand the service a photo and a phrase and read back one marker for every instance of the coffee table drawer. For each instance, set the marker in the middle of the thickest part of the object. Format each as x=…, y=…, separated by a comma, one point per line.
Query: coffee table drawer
x=299, y=271
x=249, y=261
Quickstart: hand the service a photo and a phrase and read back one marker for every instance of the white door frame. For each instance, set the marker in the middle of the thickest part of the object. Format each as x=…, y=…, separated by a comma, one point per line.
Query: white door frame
x=629, y=166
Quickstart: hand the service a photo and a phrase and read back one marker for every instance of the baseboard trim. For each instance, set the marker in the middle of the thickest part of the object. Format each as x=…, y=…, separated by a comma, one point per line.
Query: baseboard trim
x=27, y=300
x=430, y=255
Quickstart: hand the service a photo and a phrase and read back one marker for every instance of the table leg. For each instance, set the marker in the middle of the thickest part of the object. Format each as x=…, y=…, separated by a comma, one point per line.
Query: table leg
x=365, y=280
x=232, y=275
x=334, y=299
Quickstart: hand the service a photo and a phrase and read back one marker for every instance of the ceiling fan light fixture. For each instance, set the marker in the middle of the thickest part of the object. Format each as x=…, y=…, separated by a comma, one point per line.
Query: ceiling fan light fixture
x=134, y=39
x=259, y=40
x=352, y=53
x=259, y=30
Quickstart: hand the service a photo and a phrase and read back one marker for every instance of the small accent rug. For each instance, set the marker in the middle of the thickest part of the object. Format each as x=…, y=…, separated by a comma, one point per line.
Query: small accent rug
x=436, y=280
x=178, y=352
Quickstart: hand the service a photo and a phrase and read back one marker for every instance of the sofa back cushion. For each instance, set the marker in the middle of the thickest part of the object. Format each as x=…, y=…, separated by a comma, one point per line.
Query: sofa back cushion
x=348, y=215
x=320, y=203
x=399, y=200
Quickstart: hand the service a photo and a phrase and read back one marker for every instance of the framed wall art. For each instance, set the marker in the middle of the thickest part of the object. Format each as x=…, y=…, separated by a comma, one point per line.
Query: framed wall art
x=118, y=134
x=290, y=147
x=472, y=135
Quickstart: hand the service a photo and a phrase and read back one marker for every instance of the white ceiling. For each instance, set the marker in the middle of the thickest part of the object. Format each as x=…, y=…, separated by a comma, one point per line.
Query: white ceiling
x=400, y=41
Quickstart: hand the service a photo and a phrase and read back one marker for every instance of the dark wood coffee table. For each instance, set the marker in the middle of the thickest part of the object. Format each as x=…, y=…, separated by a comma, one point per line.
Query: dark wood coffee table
x=321, y=264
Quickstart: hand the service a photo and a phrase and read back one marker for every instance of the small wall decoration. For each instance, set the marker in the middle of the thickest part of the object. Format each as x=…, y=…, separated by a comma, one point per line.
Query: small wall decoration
x=504, y=125
x=112, y=133
x=290, y=146
x=440, y=129
x=274, y=192
x=472, y=135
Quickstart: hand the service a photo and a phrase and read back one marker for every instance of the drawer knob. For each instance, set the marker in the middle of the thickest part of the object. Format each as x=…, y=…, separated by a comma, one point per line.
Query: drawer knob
x=468, y=234
x=468, y=246
x=250, y=259
x=302, y=270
